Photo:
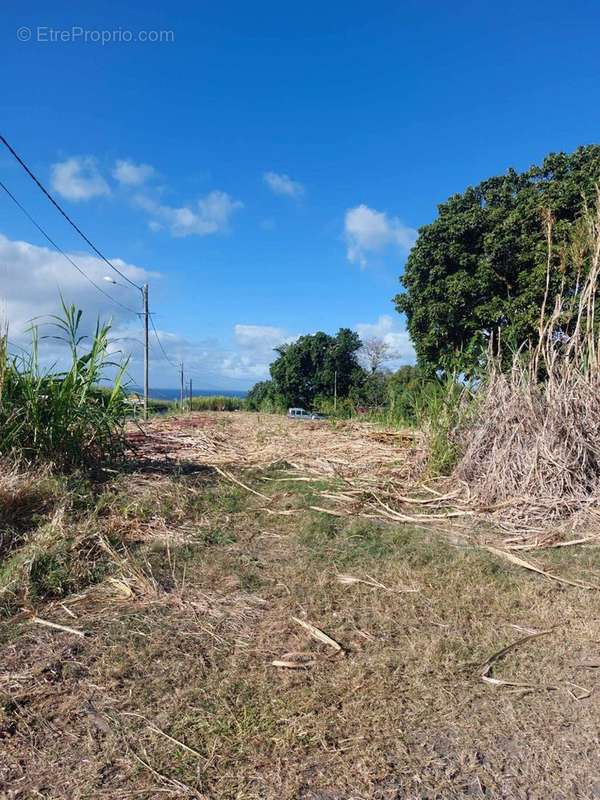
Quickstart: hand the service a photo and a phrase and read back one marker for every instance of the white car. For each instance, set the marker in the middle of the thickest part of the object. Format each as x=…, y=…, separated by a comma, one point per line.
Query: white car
x=301, y=413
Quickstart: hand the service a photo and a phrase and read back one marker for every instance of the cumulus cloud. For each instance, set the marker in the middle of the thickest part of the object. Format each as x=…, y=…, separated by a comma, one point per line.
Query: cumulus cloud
x=260, y=337
x=78, y=178
x=282, y=184
x=32, y=277
x=401, y=349
x=129, y=173
x=368, y=231
x=215, y=364
x=255, y=350
x=210, y=214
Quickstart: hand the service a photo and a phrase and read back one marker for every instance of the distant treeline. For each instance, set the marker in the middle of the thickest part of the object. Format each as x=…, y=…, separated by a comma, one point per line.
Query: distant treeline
x=341, y=376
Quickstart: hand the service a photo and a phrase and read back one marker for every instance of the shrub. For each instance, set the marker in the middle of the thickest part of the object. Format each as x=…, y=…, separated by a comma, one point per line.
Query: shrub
x=265, y=397
x=534, y=443
x=62, y=418
x=218, y=403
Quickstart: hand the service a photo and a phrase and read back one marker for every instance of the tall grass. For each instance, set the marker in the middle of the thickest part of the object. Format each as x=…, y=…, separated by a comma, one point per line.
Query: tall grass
x=62, y=417
x=217, y=403
x=440, y=410
x=533, y=448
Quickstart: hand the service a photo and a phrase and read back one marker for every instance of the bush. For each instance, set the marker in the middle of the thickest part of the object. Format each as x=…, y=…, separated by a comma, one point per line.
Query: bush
x=533, y=447
x=264, y=396
x=217, y=403
x=440, y=408
x=62, y=418
x=343, y=408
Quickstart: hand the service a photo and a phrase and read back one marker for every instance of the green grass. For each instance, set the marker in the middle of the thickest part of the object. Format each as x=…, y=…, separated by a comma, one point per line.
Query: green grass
x=218, y=403
x=401, y=712
x=62, y=417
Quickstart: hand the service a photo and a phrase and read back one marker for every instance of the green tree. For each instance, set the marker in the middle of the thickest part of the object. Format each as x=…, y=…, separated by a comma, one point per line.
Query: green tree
x=403, y=390
x=480, y=267
x=312, y=365
x=263, y=396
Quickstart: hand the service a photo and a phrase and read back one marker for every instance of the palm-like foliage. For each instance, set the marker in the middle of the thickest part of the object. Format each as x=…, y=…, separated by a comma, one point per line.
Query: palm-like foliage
x=62, y=417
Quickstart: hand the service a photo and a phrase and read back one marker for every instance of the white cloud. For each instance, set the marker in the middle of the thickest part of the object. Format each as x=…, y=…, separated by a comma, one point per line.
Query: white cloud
x=32, y=278
x=260, y=337
x=255, y=350
x=368, y=231
x=210, y=214
x=401, y=349
x=78, y=178
x=131, y=174
x=215, y=365
x=282, y=184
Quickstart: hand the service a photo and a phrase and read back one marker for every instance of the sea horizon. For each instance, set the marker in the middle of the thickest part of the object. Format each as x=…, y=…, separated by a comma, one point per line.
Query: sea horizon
x=174, y=394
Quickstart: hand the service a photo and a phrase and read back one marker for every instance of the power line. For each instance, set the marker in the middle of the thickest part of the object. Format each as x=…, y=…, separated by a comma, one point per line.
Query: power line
x=62, y=252
x=165, y=356
x=101, y=255
x=64, y=213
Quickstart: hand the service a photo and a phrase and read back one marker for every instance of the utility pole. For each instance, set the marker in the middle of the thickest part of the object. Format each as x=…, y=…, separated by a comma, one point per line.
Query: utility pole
x=335, y=390
x=145, y=314
x=190, y=395
x=181, y=393
x=146, y=349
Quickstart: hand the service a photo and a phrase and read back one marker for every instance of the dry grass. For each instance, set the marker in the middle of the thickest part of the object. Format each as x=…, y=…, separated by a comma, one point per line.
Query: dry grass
x=172, y=692
x=533, y=453
x=23, y=496
x=245, y=440
x=535, y=450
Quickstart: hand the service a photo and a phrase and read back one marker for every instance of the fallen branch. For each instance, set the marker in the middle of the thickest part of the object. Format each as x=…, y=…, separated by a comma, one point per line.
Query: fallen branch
x=520, y=562
x=318, y=634
x=487, y=667
x=348, y=580
x=56, y=626
x=230, y=477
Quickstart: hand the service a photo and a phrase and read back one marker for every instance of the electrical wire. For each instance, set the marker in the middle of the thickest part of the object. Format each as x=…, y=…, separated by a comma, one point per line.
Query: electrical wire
x=62, y=252
x=101, y=255
x=165, y=356
x=64, y=213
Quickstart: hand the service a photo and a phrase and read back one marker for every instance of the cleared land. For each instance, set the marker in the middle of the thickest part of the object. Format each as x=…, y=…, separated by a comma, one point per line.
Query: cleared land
x=245, y=645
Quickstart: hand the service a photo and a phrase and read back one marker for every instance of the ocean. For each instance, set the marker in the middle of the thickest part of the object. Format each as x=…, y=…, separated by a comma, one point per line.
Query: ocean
x=173, y=394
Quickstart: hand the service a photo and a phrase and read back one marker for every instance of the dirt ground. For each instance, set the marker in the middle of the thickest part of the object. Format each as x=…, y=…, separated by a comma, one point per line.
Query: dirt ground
x=249, y=646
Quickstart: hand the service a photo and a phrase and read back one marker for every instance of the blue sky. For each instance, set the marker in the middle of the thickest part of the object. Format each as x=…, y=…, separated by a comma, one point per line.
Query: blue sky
x=268, y=167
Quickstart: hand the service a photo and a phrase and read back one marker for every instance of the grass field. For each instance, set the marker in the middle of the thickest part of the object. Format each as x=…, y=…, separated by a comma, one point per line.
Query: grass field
x=229, y=641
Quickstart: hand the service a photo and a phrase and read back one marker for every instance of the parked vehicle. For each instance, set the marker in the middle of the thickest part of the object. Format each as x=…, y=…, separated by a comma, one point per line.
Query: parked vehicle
x=301, y=413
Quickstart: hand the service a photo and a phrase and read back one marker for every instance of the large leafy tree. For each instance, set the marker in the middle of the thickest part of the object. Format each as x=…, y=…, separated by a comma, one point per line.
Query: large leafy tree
x=263, y=396
x=480, y=267
x=310, y=366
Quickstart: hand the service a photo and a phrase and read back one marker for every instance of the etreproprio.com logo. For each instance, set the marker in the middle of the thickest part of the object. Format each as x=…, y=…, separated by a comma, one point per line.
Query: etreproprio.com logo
x=77, y=33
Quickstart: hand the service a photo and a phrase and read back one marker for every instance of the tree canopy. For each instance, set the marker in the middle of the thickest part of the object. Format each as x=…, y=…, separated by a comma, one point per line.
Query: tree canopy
x=480, y=267
x=310, y=366
x=263, y=396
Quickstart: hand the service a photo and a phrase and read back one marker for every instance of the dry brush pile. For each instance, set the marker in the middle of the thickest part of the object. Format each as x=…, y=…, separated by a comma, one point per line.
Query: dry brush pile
x=532, y=453
x=528, y=438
